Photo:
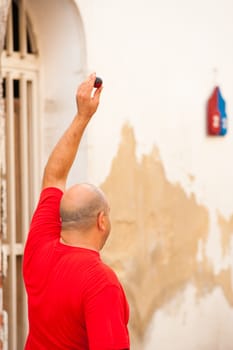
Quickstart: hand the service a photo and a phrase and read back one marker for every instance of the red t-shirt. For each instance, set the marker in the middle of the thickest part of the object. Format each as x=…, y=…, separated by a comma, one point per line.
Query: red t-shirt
x=75, y=301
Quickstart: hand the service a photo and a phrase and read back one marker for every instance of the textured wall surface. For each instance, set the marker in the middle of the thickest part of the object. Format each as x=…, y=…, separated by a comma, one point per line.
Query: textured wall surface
x=169, y=184
x=155, y=244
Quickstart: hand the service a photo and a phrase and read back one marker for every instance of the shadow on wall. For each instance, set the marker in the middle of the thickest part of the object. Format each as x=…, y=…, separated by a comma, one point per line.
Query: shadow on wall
x=156, y=228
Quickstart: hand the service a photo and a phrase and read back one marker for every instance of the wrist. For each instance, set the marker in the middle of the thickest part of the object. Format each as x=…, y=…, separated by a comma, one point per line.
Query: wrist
x=82, y=119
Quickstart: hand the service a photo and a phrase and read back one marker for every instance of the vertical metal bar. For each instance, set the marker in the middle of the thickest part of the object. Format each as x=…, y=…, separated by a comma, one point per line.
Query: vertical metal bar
x=30, y=143
x=11, y=207
x=9, y=33
x=24, y=176
x=22, y=29
x=35, y=142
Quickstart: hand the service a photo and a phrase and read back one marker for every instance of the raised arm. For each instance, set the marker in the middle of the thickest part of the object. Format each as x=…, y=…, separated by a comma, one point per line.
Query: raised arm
x=63, y=154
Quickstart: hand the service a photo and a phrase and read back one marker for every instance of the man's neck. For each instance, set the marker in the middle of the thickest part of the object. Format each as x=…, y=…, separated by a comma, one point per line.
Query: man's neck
x=74, y=242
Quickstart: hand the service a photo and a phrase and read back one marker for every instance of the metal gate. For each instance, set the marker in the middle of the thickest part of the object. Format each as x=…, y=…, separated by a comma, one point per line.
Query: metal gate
x=20, y=91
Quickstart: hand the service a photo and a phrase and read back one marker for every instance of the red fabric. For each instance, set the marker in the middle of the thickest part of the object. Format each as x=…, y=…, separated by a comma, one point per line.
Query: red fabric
x=75, y=301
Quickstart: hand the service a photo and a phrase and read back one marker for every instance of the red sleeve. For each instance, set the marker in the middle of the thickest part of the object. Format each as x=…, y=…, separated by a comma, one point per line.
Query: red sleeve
x=46, y=223
x=44, y=229
x=106, y=320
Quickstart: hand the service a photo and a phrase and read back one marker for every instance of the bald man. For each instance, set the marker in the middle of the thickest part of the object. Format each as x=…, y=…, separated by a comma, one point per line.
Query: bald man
x=75, y=301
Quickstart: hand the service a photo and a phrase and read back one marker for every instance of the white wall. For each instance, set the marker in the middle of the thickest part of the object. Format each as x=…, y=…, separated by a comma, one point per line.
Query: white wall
x=158, y=60
x=185, y=324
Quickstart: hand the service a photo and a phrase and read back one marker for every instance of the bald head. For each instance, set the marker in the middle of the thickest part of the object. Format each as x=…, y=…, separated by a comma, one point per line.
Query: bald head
x=80, y=206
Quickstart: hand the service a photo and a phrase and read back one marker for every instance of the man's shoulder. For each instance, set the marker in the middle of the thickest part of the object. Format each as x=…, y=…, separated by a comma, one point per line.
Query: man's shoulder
x=49, y=199
x=106, y=274
x=96, y=273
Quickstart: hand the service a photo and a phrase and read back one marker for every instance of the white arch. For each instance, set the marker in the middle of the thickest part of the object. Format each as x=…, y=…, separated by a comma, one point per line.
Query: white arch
x=62, y=52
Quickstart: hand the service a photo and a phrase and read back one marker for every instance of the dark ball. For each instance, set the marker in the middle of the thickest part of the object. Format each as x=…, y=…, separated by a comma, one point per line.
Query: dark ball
x=98, y=82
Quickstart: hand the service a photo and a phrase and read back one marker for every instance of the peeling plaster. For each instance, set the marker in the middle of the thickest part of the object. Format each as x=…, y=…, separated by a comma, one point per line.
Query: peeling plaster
x=226, y=227
x=156, y=233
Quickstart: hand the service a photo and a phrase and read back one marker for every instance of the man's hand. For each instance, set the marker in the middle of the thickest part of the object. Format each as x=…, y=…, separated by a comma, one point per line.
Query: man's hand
x=87, y=103
x=63, y=154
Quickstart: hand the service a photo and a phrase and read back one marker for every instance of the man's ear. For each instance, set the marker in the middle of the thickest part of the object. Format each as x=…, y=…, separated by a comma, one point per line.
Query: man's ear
x=101, y=221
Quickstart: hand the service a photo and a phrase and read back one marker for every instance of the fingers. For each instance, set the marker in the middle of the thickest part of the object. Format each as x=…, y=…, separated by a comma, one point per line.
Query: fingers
x=91, y=80
x=87, y=85
x=86, y=88
x=87, y=97
x=97, y=93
